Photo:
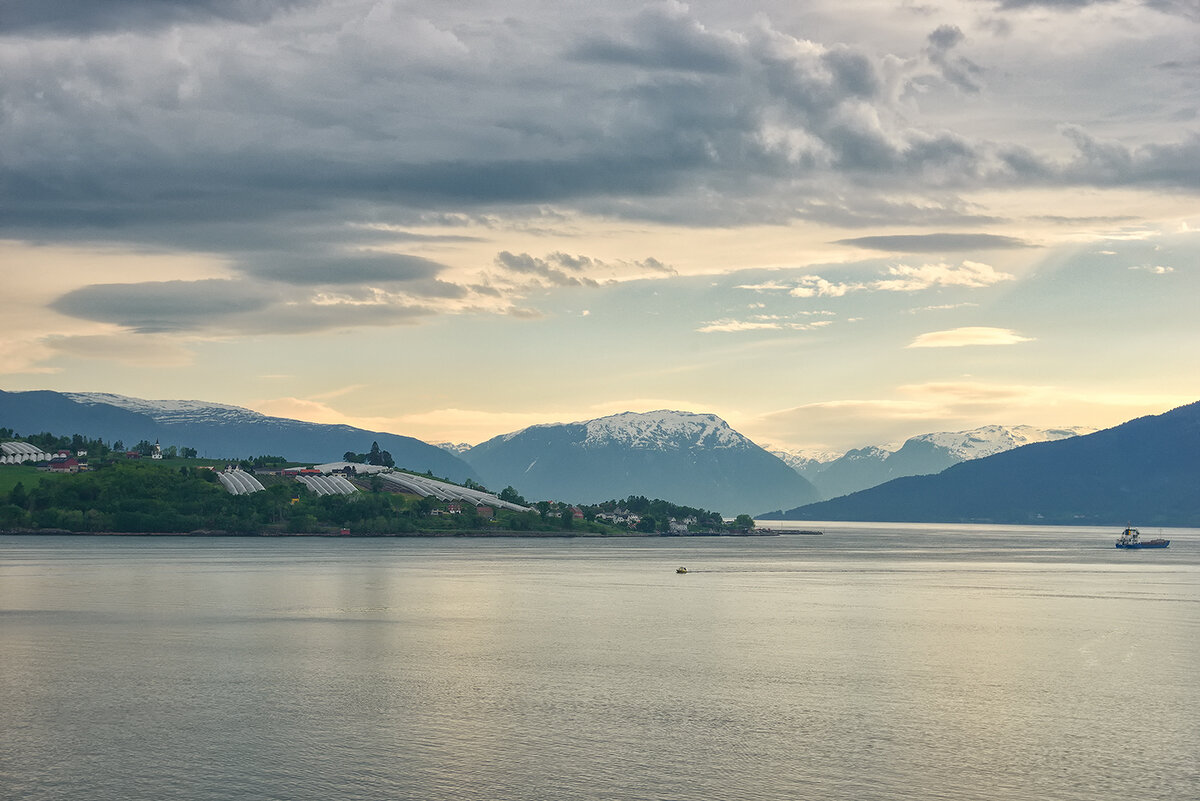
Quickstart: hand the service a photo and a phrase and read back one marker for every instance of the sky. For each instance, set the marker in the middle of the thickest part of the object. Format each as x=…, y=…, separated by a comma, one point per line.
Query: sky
x=833, y=223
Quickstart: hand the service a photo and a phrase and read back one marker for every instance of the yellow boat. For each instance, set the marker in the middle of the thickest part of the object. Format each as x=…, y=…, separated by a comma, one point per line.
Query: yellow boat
x=681, y=570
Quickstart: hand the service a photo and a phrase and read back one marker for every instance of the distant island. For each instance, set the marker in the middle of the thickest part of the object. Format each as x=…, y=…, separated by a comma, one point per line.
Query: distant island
x=88, y=487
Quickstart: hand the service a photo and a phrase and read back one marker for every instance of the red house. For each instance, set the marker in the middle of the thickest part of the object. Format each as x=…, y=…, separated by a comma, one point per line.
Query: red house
x=64, y=464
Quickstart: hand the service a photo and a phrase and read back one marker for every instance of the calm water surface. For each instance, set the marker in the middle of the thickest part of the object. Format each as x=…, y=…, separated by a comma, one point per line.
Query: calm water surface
x=874, y=662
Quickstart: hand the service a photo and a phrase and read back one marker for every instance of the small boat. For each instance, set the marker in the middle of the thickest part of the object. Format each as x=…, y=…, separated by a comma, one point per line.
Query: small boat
x=681, y=570
x=1132, y=538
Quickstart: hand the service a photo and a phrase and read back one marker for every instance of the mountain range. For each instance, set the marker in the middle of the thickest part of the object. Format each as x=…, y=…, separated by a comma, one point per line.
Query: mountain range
x=1145, y=471
x=213, y=429
x=834, y=475
x=690, y=459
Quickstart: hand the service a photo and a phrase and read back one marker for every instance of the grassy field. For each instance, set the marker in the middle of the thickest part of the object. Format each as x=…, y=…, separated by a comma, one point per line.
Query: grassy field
x=11, y=474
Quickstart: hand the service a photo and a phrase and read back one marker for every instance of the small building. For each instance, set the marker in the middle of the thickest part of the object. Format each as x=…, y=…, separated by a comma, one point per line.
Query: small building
x=485, y=511
x=156, y=451
x=64, y=464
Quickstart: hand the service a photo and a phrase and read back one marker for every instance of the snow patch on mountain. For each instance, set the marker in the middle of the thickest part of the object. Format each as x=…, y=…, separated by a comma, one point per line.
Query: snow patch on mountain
x=802, y=458
x=167, y=411
x=661, y=429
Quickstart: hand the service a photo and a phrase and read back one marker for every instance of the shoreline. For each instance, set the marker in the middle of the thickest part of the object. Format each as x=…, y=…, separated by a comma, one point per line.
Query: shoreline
x=426, y=534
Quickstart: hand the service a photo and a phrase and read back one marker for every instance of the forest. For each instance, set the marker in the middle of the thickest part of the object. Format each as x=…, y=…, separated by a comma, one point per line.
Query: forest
x=129, y=496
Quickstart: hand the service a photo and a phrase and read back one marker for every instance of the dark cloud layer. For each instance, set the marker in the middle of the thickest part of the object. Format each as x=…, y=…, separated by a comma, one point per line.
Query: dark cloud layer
x=298, y=140
x=311, y=270
x=660, y=39
x=220, y=306
x=936, y=243
x=159, y=306
x=100, y=16
x=665, y=116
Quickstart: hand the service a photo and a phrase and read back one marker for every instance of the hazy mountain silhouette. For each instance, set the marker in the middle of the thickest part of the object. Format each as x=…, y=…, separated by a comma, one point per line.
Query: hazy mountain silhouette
x=1146, y=471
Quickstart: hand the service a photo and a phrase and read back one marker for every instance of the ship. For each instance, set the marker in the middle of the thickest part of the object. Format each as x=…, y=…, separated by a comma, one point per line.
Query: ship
x=1132, y=538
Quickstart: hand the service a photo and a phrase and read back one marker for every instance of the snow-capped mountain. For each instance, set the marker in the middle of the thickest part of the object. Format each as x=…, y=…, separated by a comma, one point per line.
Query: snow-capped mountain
x=215, y=430
x=686, y=458
x=866, y=467
x=980, y=442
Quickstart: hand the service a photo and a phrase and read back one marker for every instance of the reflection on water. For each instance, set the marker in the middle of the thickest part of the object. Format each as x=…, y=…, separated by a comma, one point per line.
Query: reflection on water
x=873, y=662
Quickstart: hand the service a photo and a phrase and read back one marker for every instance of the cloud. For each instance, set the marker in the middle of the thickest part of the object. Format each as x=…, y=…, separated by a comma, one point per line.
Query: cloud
x=241, y=124
x=300, y=145
x=562, y=269
x=158, y=306
x=317, y=411
x=24, y=354
x=544, y=269
x=913, y=409
x=1155, y=269
x=900, y=278
x=760, y=323
x=936, y=243
x=661, y=37
x=140, y=351
x=226, y=307
x=767, y=286
x=972, y=335
x=913, y=278
x=956, y=70
x=842, y=424
x=814, y=286
x=943, y=307
x=361, y=268
x=1184, y=8
x=1106, y=162
x=311, y=116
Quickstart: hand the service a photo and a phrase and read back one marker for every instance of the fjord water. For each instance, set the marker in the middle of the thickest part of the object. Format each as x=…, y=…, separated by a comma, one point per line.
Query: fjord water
x=874, y=662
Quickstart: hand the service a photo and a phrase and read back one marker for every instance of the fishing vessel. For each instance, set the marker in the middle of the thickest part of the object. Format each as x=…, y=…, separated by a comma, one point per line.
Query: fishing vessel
x=1132, y=538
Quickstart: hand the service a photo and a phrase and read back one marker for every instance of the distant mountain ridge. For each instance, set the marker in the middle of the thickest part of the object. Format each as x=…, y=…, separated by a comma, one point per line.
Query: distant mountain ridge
x=683, y=457
x=1145, y=471
x=866, y=467
x=215, y=430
